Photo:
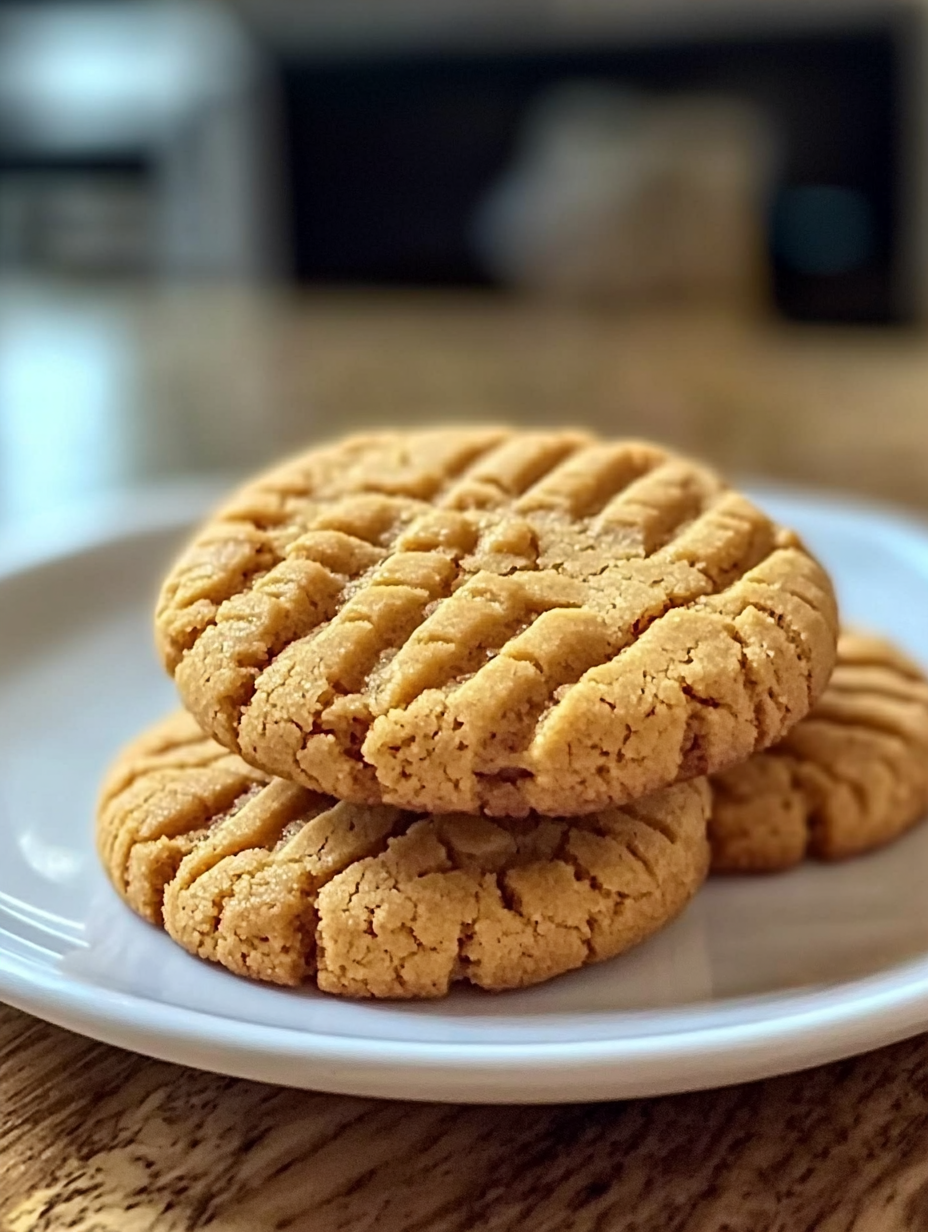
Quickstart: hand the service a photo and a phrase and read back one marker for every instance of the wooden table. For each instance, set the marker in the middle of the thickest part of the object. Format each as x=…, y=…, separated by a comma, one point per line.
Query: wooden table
x=98, y=1140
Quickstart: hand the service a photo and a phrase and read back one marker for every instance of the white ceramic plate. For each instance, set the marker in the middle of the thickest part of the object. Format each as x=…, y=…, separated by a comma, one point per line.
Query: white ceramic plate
x=758, y=977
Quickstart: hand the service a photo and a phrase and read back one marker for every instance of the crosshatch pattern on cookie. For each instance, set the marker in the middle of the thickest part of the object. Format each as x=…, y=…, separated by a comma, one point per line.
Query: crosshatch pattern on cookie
x=279, y=883
x=496, y=621
x=851, y=776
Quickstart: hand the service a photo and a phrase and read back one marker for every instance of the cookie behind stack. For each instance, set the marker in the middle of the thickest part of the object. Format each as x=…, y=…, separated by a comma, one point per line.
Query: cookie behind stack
x=453, y=694
x=850, y=777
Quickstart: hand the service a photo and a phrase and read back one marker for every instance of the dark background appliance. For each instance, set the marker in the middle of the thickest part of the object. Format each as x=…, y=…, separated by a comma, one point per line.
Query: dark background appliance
x=389, y=152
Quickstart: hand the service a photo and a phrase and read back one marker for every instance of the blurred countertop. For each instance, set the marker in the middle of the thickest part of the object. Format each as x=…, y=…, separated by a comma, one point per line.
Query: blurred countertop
x=110, y=387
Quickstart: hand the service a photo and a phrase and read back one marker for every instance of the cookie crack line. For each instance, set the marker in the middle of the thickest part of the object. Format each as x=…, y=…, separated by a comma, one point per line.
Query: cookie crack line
x=265, y=554
x=452, y=610
x=561, y=681
x=405, y=531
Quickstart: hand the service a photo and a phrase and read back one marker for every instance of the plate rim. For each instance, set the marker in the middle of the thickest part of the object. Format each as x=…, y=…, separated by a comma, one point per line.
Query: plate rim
x=806, y=1027
x=822, y=1025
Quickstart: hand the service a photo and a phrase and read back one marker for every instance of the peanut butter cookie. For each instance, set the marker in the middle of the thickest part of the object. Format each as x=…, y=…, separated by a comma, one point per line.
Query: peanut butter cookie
x=498, y=622
x=851, y=776
x=279, y=883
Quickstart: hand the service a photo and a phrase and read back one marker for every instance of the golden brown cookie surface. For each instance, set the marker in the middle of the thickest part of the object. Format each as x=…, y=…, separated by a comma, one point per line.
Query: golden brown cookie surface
x=851, y=776
x=279, y=883
x=495, y=621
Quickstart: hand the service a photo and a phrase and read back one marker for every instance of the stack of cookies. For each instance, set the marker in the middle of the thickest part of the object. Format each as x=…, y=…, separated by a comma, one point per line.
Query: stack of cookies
x=485, y=705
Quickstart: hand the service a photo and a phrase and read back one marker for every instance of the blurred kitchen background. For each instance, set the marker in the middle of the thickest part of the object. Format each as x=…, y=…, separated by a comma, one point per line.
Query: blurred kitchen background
x=230, y=228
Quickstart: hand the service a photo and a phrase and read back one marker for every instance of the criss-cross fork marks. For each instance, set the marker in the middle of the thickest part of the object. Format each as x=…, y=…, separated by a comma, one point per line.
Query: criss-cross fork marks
x=851, y=776
x=278, y=883
x=428, y=619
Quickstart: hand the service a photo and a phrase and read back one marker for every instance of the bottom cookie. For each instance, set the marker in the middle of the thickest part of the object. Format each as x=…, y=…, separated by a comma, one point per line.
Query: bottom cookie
x=281, y=884
x=850, y=777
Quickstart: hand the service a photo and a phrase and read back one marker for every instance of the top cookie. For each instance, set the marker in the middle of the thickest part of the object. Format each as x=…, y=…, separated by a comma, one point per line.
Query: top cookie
x=492, y=620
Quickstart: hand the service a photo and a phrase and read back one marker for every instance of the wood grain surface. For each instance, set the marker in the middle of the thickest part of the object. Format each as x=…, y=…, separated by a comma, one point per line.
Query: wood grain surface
x=97, y=1140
